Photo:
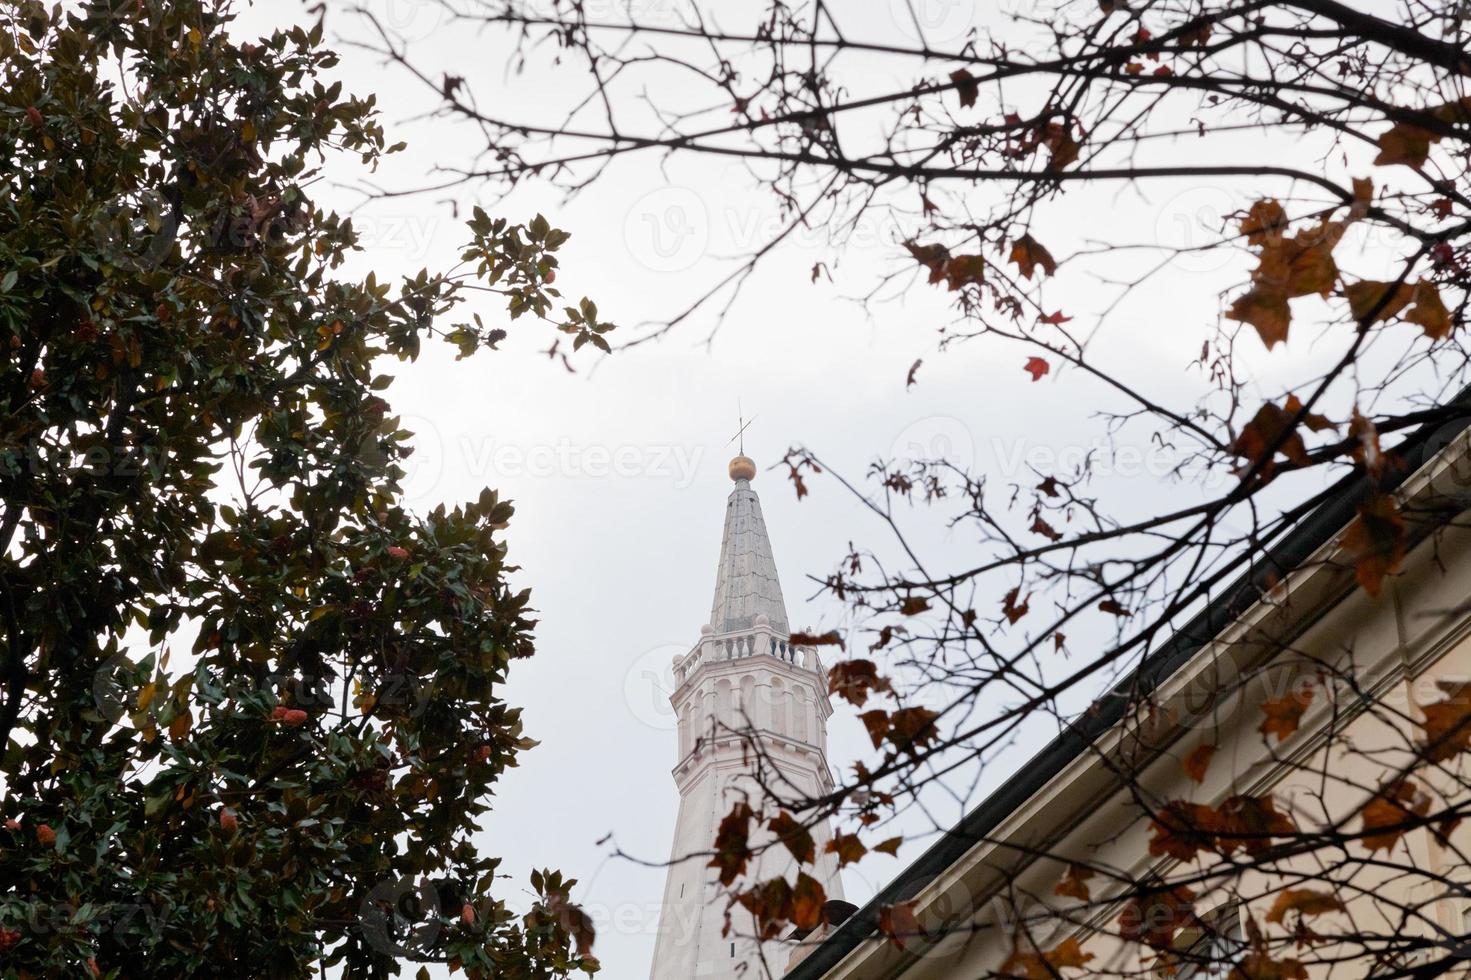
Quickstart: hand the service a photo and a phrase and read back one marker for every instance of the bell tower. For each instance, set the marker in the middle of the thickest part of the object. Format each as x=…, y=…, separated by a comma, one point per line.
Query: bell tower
x=743, y=681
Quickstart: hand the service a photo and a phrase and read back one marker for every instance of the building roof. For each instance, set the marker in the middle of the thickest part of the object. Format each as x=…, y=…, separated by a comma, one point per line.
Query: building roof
x=746, y=585
x=1315, y=529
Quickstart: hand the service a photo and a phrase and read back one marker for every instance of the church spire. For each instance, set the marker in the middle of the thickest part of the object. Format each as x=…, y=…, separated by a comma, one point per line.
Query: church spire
x=746, y=585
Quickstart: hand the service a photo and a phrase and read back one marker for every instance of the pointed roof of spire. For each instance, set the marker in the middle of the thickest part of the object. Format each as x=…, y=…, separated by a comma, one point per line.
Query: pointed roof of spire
x=746, y=585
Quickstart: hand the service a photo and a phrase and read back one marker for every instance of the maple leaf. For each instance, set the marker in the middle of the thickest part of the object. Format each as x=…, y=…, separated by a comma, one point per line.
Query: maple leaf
x=1271, y=426
x=1303, y=901
x=1429, y=312
x=847, y=847
x=933, y=257
x=1028, y=253
x=966, y=87
x=794, y=836
x=1198, y=761
x=1040, y=526
x=1405, y=143
x=1260, y=966
x=912, y=728
x=963, y=270
x=1074, y=883
x=1054, y=319
x=1266, y=309
x=1386, y=815
x=1044, y=965
x=1011, y=608
x=1113, y=606
x=1154, y=919
x=1367, y=452
x=913, y=371
x=889, y=847
x=1264, y=222
x=1375, y=542
x=808, y=899
x=1447, y=723
x=1049, y=486
x=770, y=904
x=1249, y=823
x=1315, y=422
x=877, y=723
x=1062, y=149
x=1284, y=714
x=898, y=923
x=914, y=605
x=1182, y=829
x=1384, y=299
x=1036, y=367
x=732, y=850
x=854, y=680
x=829, y=639
x=1303, y=264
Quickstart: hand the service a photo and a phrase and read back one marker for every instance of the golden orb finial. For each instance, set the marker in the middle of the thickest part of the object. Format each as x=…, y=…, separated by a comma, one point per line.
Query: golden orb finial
x=743, y=467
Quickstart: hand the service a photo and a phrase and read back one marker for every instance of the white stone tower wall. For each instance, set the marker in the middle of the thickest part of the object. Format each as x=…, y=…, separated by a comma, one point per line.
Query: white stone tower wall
x=743, y=674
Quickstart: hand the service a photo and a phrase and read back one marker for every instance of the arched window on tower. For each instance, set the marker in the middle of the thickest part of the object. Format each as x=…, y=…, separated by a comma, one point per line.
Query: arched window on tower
x=779, y=698
x=723, y=711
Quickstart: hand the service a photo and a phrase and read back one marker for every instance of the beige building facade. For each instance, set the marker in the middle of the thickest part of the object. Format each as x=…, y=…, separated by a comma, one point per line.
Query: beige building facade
x=1300, y=625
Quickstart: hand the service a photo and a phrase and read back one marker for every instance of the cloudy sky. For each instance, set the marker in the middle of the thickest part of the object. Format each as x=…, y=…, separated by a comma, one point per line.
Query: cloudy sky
x=619, y=470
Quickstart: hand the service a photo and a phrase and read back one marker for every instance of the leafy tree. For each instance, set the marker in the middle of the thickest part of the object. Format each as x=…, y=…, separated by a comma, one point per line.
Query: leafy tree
x=251, y=707
x=1343, y=133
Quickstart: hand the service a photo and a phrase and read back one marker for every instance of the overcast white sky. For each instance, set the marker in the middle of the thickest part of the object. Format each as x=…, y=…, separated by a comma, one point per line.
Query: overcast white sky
x=619, y=473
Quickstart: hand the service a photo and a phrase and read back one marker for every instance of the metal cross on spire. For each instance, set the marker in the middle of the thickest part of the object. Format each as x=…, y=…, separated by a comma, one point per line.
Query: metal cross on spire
x=741, y=432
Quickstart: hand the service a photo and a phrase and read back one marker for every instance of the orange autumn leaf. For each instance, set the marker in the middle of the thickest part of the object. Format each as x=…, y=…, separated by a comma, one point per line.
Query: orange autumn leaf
x=1266, y=220
x=1183, y=829
x=1303, y=264
x=794, y=835
x=1062, y=148
x=898, y=923
x=1270, y=430
x=1074, y=883
x=1284, y=714
x=1447, y=723
x=808, y=899
x=855, y=680
x=1067, y=954
x=1028, y=253
x=1012, y=607
x=1303, y=901
x=1375, y=542
x=1250, y=822
x=1430, y=313
x=877, y=723
x=1156, y=918
x=732, y=850
x=1405, y=143
x=1198, y=761
x=1266, y=309
x=966, y=87
x=1387, y=815
x=1313, y=421
x=1384, y=300
x=1260, y=966
x=847, y=847
x=912, y=728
